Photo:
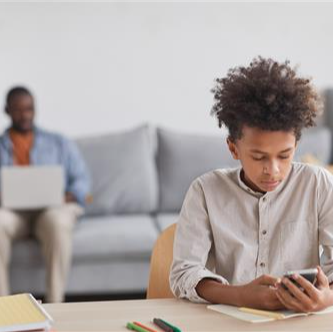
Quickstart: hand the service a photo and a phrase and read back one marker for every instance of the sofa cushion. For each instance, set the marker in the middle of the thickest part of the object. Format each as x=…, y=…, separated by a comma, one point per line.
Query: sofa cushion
x=99, y=238
x=96, y=277
x=164, y=220
x=118, y=237
x=123, y=171
x=183, y=157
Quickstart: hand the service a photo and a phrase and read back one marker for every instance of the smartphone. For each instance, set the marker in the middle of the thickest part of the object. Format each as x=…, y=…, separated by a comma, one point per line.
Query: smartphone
x=308, y=274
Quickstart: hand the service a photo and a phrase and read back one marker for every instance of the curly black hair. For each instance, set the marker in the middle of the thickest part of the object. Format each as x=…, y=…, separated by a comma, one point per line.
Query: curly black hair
x=266, y=95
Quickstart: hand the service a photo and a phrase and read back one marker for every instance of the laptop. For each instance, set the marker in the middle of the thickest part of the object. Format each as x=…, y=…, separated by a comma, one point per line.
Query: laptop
x=32, y=187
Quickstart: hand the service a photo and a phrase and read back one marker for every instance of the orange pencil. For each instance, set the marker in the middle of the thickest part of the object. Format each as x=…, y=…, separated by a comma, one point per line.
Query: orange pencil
x=143, y=326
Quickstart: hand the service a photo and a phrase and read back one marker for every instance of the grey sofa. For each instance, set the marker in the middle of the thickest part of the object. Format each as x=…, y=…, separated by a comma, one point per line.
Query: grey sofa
x=139, y=180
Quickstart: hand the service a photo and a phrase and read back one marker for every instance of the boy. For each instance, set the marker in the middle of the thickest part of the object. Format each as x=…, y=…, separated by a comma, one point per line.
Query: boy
x=270, y=215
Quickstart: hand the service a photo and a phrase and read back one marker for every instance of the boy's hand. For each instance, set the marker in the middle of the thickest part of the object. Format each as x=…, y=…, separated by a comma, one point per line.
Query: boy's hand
x=311, y=299
x=261, y=294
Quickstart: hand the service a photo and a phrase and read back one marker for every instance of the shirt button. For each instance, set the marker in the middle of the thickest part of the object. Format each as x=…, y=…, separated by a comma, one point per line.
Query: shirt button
x=264, y=232
x=262, y=264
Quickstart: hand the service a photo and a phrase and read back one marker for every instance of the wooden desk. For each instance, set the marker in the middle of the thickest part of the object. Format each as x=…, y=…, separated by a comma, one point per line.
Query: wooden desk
x=113, y=316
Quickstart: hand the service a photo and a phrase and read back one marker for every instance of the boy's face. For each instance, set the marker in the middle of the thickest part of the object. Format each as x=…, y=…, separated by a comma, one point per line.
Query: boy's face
x=265, y=156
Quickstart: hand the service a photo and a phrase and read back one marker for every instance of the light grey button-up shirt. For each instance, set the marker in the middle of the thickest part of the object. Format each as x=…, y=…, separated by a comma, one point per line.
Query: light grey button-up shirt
x=230, y=233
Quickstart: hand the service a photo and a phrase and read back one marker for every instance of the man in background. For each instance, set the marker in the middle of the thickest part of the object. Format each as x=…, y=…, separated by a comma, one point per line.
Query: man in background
x=24, y=144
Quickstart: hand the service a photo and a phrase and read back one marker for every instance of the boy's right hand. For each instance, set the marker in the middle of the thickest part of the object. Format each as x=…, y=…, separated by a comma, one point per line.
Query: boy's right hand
x=260, y=294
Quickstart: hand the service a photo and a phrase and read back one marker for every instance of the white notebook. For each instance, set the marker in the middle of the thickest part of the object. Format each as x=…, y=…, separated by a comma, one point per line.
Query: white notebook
x=259, y=316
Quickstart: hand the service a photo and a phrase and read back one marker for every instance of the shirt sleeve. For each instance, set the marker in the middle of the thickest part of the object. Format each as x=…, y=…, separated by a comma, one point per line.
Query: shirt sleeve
x=77, y=177
x=193, y=241
x=325, y=212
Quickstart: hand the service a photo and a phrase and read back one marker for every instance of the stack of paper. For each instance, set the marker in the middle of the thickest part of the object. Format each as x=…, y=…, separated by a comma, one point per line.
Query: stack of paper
x=22, y=313
x=261, y=316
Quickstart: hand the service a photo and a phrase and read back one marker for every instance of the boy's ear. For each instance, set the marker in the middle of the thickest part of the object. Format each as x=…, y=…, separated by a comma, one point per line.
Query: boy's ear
x=233, y=149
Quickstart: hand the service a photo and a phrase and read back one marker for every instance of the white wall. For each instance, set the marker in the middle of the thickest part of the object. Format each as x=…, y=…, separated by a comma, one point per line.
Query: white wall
x=98, y=67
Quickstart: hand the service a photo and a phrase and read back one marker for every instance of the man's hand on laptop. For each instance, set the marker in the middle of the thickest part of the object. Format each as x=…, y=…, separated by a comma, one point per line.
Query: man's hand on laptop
x=69, y=197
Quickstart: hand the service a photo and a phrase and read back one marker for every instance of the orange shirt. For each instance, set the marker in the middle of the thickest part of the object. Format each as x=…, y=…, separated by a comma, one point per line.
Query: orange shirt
x=22, y=144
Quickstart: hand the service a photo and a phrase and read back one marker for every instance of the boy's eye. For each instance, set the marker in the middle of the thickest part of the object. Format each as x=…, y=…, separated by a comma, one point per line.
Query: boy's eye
x=258, y=158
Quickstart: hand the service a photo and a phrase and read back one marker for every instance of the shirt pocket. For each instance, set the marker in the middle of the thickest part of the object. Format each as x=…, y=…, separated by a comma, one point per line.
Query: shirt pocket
x=296, y=244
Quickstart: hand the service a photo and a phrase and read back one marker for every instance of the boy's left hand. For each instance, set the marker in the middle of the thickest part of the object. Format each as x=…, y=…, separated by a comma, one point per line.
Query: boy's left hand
x=311, y=299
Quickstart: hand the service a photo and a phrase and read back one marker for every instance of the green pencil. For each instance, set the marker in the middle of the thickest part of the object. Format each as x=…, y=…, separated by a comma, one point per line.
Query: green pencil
x=136, y=328
x=175, y=328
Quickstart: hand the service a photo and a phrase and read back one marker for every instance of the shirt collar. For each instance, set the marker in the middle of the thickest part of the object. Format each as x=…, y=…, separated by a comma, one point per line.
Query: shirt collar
x=7, y=142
